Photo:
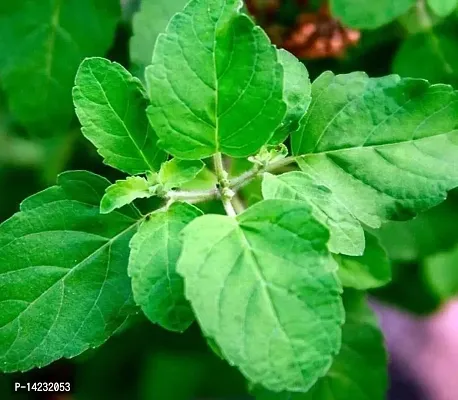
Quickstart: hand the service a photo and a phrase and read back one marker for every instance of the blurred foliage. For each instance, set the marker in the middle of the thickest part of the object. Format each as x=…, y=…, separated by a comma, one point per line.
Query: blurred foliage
x=155, y=364
x=441, y=273
x=430, y=232
x=42, y=44
x=39, y=138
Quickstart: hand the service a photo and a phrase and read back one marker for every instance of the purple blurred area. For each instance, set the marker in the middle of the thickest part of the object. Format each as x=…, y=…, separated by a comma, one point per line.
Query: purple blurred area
x=423, y=353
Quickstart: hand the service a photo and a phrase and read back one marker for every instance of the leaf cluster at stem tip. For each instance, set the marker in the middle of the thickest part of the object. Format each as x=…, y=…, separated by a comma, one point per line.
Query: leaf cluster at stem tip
x=234, y=184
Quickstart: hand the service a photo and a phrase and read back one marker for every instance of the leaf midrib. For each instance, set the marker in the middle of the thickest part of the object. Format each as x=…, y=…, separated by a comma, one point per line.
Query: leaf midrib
x=121, y=120
x=75, y=268
x=215, y=77
x=262, y=280
x=375, y=146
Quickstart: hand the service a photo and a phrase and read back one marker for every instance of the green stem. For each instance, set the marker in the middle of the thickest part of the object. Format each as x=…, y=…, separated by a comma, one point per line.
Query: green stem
x=221, y=174
x=248, y=176
x=193, y=196
x=423, y=17
x=228, y=207
x=237, y=203
x=225, y=185
x=225, y=191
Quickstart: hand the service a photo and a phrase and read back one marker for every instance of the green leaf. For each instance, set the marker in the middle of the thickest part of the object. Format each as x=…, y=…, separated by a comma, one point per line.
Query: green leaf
x=359, y=371
x=417, y=19
x=155, y=249
x=261, y=285
x=151, y=20
x=235, y=104
x=42, y=43
x=204, y=180
x=408, y=290
x=371, y=270
x=442, y=8
x=365, y=14
x=110, y=104
x=63, y=273
x=441, y=273
x=124, y=192
x=431, y=232
x=296, y=94
x=347, y=235
x=386, y=147
x=431, y=55
x=175, y=173
x=214, y=348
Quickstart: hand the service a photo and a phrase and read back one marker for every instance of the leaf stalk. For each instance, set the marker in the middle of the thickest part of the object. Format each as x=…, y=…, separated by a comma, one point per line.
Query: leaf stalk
x=225, y=191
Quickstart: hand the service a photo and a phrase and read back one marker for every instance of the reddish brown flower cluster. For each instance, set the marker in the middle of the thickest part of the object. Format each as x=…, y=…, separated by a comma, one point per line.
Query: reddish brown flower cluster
x=315, y=35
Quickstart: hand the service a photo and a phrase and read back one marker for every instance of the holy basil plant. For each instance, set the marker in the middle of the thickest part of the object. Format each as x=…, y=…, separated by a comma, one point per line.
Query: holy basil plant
x=277, y=287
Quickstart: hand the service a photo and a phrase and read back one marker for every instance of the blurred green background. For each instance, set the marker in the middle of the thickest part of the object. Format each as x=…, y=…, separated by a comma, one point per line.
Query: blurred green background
x=40, y=137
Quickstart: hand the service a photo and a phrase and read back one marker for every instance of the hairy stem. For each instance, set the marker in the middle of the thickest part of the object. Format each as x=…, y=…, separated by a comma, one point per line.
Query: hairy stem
x=228, y=207
x=237, y=203
x=220, y=172
x=248, y=176
x=225, y=191
x=193, y=196
x=232, y=185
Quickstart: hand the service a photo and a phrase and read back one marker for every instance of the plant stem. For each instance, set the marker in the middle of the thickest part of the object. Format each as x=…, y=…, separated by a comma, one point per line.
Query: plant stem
x=225, y=191
x=225, y=185
x=228, y=207
x=193, y=196
x=248, y=176
x=237, y=203
x=221, y=174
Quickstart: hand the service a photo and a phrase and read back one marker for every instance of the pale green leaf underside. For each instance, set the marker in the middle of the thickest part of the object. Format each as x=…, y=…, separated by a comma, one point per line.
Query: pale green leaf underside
x=441, y=273
x=347, y=235
x=262, y=287
x=155, y=249
x=386, y=148
x=110, y=104
x=442, y=8
x=42, y=43
x=366, y=14
x=215, y=84
x=359, y=371
x=147, y=24
x=175, y=173
x=124, y=192
x=63, y=273
x=371, y=270
x=296, y=94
